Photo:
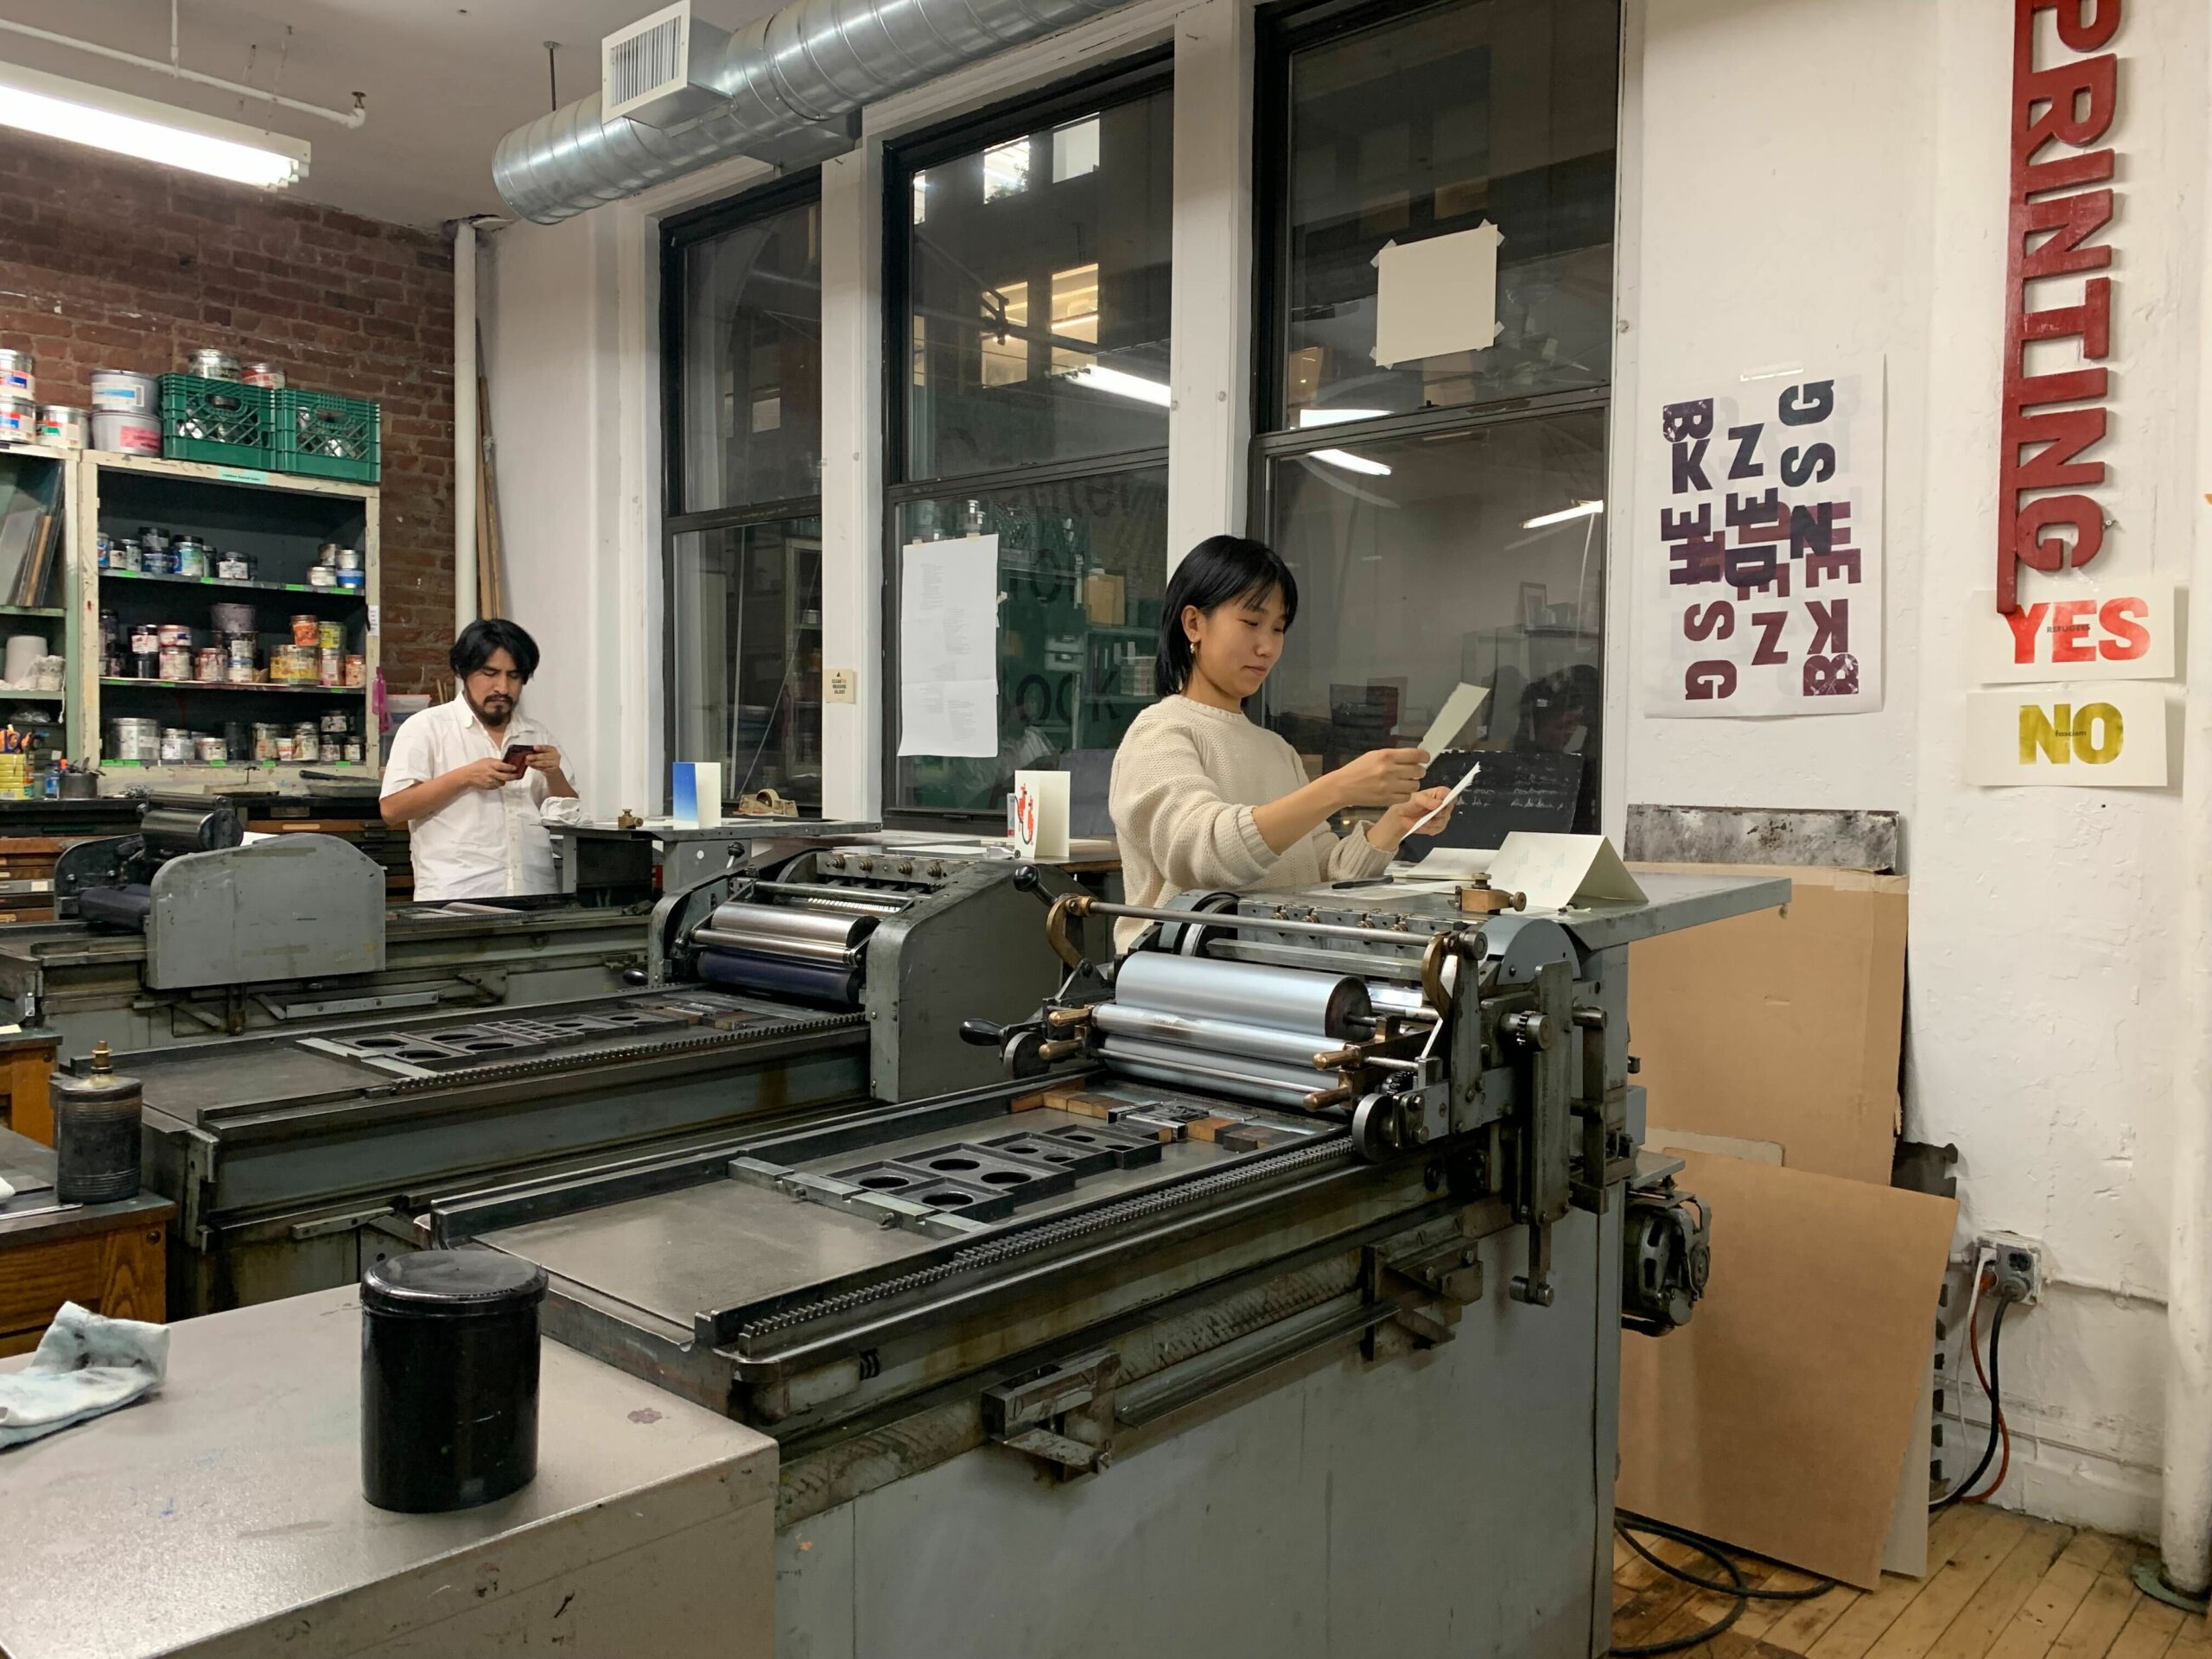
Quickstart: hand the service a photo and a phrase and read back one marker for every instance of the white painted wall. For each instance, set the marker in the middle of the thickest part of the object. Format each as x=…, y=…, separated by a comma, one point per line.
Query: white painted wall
x=1801, y=180
x=1822, y=180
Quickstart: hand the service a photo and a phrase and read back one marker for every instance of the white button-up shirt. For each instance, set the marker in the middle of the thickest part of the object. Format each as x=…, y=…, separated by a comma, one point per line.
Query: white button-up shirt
x=484, y=843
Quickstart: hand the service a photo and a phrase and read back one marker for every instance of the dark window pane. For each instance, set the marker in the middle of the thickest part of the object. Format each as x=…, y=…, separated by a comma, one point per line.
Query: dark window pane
x=746, y=664
x=1037, y=290
x=1476, y=556
x=1082, y=566
x=752, y=372
x=1497, y=112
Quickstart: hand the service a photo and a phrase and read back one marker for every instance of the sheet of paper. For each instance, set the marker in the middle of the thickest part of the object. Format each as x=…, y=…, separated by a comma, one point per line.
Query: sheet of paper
x=1563, y=871
x=1436, y=296
x=948, y=648
x=1451, y=720
x=1450, y=796
x=1449, y=864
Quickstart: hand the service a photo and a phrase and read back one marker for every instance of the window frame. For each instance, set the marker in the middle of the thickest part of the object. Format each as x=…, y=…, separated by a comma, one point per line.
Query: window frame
x=679, y=232
x=1283, y=32
x=1143, y=75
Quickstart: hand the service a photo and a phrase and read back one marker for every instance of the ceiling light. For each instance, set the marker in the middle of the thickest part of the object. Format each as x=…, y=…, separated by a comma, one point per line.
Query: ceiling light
x=1351, y=463
x=1338, y=416
x=80, y=114
x=1124, y=385
x=1579, y=509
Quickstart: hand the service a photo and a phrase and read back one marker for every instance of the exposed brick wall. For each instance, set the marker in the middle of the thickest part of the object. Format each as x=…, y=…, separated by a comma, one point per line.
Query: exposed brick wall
x=107, y=263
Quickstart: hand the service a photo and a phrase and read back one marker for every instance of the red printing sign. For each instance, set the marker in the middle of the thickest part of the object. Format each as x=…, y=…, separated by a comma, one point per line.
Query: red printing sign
x=2060, y=199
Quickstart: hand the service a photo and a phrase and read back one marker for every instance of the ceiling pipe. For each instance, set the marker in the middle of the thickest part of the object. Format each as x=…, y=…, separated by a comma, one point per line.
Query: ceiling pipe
x=352, y=118
x=466, y=453
x=781, y=78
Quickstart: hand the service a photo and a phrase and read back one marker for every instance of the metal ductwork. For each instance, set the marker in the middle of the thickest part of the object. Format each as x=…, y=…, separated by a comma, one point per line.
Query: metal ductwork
x=788, y=84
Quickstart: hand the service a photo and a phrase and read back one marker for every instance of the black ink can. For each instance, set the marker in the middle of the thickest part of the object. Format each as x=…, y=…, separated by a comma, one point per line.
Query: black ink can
x=448, y=1379
x=97, y=1119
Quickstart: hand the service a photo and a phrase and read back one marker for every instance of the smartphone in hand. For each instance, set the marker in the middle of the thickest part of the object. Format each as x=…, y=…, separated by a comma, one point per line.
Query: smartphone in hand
x=517, y=755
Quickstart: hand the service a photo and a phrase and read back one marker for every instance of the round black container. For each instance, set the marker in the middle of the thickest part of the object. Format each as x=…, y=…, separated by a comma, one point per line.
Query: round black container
x=448, y=1379
x=96, y=1125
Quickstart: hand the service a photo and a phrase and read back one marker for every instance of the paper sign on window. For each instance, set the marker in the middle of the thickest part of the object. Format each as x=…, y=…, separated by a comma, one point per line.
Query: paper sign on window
x=1436, y=296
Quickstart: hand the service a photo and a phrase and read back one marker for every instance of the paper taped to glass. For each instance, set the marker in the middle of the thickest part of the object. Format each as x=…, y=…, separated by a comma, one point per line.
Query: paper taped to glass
x=948, y=648
x=1437, y=296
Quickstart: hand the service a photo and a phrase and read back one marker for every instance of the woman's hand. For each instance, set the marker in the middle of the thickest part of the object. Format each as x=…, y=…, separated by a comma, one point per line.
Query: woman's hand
x=1380, y=778
x=1387, y=831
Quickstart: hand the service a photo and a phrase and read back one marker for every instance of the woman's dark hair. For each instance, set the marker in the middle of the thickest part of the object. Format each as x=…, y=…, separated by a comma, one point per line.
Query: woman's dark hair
x=1216, y=571
x=487, y=634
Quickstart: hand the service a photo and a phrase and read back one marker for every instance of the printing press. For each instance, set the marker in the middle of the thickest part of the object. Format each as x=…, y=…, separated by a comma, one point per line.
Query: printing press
x=1339, y=1193
x=185, y=930
x=819, y=982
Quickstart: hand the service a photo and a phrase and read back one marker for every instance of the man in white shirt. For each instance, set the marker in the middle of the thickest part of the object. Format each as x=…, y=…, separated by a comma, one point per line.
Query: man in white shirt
x=469, y=776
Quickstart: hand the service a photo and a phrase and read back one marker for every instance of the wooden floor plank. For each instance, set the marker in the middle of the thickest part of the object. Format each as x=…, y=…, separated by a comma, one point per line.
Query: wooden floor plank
x=2192, y=1641
x=1763, y=1616
x=1979, y=1543
x=2150, y=1631
x=1921, y=1625
x=1976, y=1630
x=2030, y=1631
x=2103, y=1612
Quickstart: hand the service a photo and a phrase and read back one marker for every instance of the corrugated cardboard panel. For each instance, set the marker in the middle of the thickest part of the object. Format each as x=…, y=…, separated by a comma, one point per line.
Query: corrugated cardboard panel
x=1780, y=1418
x=1783, y=1026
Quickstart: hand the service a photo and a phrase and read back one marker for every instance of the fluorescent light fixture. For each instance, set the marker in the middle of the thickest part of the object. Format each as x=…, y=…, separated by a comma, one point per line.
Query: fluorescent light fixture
x=1338, y=416
x=1579, y=509
x=1351, y=463
x=80, y=114
x=1124, y=385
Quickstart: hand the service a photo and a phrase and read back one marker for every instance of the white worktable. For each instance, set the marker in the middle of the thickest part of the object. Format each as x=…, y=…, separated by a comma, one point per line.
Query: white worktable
x=223, y=1516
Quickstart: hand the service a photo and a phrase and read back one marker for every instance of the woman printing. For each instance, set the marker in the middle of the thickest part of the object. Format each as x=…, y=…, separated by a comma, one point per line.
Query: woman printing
x=1201, y=798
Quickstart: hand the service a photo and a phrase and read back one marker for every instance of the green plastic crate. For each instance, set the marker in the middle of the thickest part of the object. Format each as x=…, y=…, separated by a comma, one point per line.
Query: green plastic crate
x=325, y=435
x=224, y=421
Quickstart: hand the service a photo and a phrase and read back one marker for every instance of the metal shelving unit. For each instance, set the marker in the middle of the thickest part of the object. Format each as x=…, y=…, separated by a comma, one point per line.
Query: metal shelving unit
x=54, y=475
x=278, y=518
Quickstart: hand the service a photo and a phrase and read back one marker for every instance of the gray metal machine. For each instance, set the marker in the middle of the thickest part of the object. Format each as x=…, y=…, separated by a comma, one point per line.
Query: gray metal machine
x=1339, y=1195
x=297, y=1157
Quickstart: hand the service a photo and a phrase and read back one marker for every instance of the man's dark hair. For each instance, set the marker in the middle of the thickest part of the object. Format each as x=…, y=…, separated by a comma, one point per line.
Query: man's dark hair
x=487, y=634
x=1216, y=571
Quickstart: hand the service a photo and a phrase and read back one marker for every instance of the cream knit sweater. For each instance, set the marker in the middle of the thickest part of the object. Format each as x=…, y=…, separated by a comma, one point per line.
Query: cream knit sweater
x=1187, y=778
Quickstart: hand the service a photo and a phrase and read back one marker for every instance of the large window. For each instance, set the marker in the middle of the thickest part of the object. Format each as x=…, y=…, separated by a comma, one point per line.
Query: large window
x=743, y=560
x=1443, y=509
x=1029, y=265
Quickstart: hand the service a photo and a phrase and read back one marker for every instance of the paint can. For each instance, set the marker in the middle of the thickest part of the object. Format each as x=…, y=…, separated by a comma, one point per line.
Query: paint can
x=124, y=391
x=352, y=581
x=286, y=750
x=126, y=434
x=263, y=374
x=211, y=751
x=62, y=427
x=17, y=379
x=321, y=575
x=173, y=634
x=232, y=618
x=243, y=649
x=234, y=567
x=334, y=723
x=330, y=667
x=192, y=557
x=349, y=558
x=264, y=740
x=175, y=662
x=353, y=750
x=97, y=1128
x=18, y=420
x=122, y=555
x=357, y=669
x=331, y=636
x=176, y=745
x=161, y=562
x=152, y=538
x=212, y=664
x=132, y=739
x=307, y=631
x=210, y=364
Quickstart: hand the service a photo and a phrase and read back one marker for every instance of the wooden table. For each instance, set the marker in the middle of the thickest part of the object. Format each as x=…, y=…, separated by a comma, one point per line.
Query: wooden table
x=25, y=1063
x=111, y=1258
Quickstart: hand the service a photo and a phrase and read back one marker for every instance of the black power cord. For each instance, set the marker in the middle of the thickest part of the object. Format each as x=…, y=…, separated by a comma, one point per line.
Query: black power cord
x=1994, y=1389
x=1628, y=1525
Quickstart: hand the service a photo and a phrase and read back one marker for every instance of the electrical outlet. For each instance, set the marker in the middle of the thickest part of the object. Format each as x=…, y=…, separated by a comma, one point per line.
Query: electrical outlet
x=2014, y=1261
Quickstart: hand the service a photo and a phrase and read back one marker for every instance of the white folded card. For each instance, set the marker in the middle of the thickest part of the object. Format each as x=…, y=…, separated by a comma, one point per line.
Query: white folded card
x=1562, y=872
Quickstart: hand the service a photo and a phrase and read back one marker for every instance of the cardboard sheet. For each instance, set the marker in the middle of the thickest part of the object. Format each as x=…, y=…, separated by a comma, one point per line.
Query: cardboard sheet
x=1785, y=1026
x=1780, y=1418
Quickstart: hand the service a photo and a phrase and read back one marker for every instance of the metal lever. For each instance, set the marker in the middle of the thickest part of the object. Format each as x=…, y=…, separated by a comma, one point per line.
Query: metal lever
x=983, y=1033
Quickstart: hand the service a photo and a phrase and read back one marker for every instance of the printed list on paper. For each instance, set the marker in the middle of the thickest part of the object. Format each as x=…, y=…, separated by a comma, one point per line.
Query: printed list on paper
x=948, y=648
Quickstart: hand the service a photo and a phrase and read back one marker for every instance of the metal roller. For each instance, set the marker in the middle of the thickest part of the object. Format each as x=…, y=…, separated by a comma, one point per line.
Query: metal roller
x=1216, y=1037
x=1242, y=993
x=782, y=977
x=168, y=829
x=798, y=950
x=762, y=926
x=1130, y=1051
